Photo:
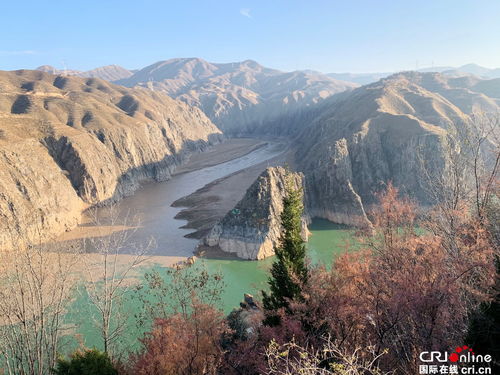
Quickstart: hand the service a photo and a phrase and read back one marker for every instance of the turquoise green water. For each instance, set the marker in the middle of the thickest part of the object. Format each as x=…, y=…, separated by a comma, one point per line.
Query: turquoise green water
x=240, y=276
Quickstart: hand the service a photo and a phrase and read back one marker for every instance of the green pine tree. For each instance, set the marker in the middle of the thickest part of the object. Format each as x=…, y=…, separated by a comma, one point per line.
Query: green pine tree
x=289, y=271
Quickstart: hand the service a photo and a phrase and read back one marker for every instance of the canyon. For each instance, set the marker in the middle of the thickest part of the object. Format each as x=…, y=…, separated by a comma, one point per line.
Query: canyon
x=68, y=143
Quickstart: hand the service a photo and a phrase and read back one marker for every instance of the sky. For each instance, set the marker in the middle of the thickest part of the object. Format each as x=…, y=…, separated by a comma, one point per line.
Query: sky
x=328, y=36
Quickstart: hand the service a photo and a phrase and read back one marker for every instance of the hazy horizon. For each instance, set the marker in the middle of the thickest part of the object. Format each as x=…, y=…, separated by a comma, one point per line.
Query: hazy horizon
x=359, y=37
x=65, y=66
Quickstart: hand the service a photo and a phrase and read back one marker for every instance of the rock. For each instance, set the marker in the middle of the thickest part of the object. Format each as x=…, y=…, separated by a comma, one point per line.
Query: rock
x=330, y=191
x=249, y=301
x=251, y=230
x=246, y=320
x=80, y=143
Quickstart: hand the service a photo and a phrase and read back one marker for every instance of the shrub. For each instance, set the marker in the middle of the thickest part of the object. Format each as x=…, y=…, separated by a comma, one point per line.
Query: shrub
x=184, y=344
x=402, y=290
x=87, y=362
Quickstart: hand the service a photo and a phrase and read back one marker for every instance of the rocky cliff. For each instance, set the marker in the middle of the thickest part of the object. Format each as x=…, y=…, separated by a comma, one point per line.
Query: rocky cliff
x=252, y=228
x=380, y=133
x=67, y=143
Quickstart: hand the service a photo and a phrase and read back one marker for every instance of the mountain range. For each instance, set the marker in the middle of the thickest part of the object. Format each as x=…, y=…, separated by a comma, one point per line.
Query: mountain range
x=464, y=70
x=248, y=98
x=67, y=142
x=116, y=72
x=108, y=72
x=242, y=97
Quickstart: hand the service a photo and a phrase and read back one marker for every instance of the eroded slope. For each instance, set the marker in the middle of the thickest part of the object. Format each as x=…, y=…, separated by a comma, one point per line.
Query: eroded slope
x=67, y=143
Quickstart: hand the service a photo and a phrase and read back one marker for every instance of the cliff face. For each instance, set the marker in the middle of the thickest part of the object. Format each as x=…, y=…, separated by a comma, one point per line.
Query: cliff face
x=67, y=143
x=380, y=133
x=330, y=192
x=252, y=228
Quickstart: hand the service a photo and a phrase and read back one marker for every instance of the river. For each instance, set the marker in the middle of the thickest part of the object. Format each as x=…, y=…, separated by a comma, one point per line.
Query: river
x=153, y=204
x=149, y=210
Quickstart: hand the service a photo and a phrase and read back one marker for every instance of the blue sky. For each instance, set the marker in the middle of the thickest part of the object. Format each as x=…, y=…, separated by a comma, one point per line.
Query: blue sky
x=329, y=36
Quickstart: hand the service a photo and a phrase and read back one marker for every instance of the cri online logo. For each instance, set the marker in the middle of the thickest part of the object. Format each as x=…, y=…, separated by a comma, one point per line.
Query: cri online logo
x=462, y=354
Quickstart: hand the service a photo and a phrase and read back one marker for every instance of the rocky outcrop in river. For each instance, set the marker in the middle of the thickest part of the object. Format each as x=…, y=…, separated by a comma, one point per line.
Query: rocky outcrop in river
x=252, y=228
x=67, y=143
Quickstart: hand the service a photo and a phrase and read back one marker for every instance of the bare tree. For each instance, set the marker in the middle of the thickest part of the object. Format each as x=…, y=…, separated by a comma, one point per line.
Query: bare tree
x=484, y=147
x=291, y=359
x=177, y=291
x=468, y=179
x=36, y=287
x=110, y=263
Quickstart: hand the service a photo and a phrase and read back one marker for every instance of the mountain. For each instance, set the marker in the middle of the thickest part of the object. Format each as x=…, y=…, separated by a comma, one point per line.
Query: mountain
x=108, y=72
x=479, y=71
x=379, y=133
x=242, y=97
x=52, y=70
x=468, y=69
x=435, y=69
x=67, y=143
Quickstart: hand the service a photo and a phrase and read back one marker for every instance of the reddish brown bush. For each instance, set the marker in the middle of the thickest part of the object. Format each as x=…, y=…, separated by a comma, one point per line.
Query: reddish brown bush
x=402, y=291
x=183, y=344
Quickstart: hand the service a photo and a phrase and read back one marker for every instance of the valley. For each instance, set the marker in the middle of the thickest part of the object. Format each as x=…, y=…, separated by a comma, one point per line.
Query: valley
x=183, y=179
x=249, y=188
x=156, y=208
x=347, y=141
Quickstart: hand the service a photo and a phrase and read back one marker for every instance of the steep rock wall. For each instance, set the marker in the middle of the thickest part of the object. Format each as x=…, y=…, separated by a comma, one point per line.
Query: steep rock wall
x=252, y=229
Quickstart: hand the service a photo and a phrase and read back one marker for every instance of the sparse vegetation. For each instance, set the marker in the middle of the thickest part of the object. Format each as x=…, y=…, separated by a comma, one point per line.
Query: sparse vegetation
x=36, y=287
x=292, y=359
x=108, y=278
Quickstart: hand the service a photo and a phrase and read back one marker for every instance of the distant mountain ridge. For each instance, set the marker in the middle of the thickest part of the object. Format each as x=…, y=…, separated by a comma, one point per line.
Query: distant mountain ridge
x=108, y=72
x=248, y=98
x=474, y=69
x=241, y=97
x=116, y=72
